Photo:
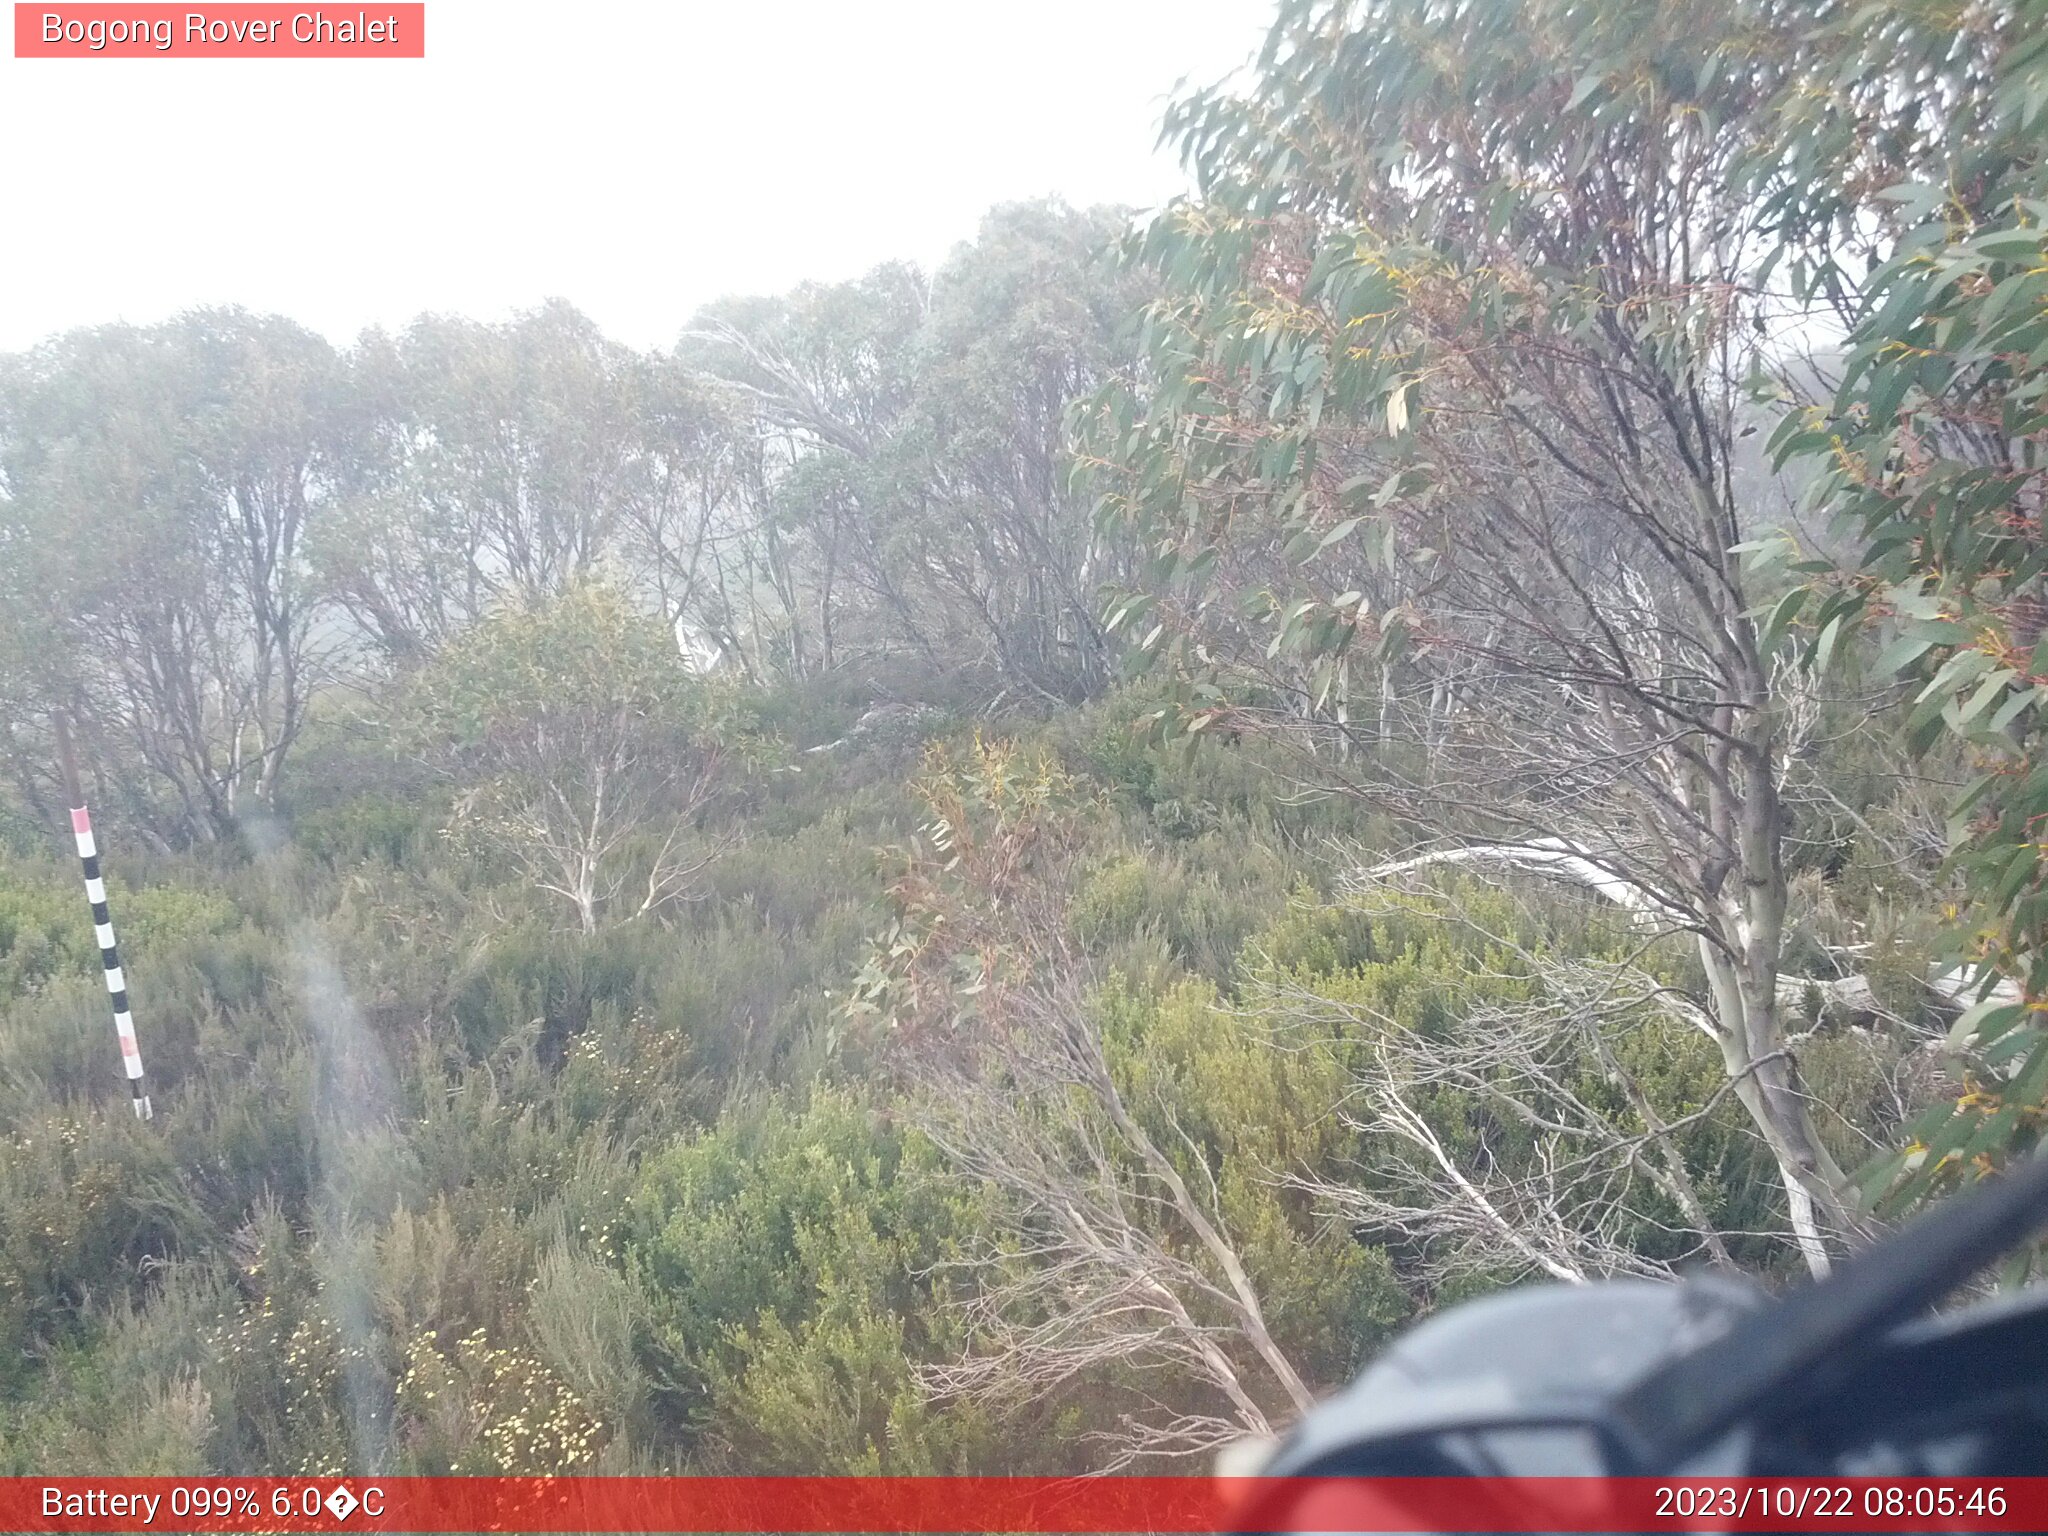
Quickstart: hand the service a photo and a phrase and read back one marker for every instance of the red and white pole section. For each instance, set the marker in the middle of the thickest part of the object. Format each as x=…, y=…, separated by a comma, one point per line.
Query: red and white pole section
x=117, y=984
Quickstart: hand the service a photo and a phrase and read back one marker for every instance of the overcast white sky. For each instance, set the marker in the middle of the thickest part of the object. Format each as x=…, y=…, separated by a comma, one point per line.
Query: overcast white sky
x=637, y=159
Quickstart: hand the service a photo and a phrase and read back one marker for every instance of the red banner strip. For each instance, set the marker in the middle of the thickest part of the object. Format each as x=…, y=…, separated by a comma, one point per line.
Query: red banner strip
x=376, y=30
x=1057, y=1506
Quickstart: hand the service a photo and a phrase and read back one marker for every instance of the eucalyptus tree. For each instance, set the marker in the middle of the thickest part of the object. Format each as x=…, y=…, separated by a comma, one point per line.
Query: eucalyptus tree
x=1434, y=466
x=1902, y=165
x=161, y=485
x=914, y=500
x=1028, y=318
x=506, y=455
x=691, y=512
x=826, y=370
x=585, y=750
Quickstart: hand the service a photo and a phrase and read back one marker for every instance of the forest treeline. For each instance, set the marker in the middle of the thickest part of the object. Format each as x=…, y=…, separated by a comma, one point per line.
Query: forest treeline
x=225, y=515
x=1010, y=869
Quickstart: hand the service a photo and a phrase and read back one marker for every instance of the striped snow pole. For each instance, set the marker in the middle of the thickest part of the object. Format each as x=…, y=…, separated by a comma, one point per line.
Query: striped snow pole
x=117, y=984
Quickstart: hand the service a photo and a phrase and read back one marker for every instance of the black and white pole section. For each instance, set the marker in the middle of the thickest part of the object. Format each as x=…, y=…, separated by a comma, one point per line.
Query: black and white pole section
x=103, y=925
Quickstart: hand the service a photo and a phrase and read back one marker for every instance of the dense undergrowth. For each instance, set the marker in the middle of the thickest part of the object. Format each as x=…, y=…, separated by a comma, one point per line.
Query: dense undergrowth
x=439, y=1183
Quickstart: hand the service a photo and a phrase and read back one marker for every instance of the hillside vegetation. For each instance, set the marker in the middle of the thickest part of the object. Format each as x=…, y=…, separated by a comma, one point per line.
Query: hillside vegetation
x=1012, y=869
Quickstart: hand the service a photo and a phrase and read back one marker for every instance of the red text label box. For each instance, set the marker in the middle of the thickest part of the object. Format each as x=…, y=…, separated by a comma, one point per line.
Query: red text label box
x=223, y=31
